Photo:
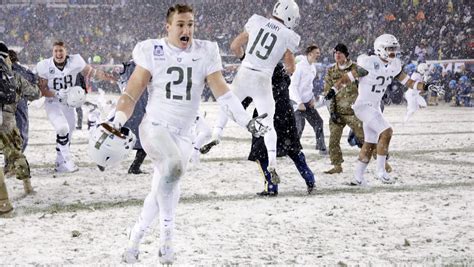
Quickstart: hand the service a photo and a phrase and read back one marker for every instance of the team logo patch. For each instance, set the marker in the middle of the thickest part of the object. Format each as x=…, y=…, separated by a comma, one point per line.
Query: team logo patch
x=376, y=65
x=51, y=70
x=158, y=51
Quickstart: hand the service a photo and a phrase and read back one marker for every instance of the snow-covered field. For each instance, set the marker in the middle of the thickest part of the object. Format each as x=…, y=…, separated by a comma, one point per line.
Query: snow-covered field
x=426, y=218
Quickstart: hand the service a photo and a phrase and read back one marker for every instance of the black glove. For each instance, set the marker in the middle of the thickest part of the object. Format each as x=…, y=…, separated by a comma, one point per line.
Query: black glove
x=331, y=94
x=433, y=88
x=336, y=118
x=207, y=147
x=256, y=127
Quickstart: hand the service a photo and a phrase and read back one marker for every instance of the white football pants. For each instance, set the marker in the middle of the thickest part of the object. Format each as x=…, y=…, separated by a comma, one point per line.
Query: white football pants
x=258, y=86
x=169, y=151
x=63, y=120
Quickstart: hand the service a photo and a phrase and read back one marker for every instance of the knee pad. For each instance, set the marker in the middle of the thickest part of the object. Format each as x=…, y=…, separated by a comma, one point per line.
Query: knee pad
x=62, y=139
x=175, y=170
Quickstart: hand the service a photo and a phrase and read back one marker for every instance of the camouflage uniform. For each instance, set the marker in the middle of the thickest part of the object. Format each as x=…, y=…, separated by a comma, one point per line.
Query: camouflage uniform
x=342, y=114
x=10, y=140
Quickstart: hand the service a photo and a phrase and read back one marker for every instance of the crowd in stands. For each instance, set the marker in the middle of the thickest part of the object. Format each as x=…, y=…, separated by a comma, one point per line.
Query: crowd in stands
x=107, y=33
x=426, y=29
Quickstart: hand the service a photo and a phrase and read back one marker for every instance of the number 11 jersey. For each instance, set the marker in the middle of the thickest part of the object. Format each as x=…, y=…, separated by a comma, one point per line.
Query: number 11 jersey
x=178, y=78
x=268, y=41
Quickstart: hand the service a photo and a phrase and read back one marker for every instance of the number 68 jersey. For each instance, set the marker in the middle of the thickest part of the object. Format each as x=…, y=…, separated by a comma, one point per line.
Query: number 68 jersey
x=372, y=87
x=61, y=79
x=178, y=78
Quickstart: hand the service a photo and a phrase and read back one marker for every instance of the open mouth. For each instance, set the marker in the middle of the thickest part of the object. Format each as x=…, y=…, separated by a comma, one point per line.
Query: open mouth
x=184, y=40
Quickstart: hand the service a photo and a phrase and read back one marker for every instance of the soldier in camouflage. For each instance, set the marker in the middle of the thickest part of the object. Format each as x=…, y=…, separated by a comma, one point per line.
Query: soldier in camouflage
x=341, y=113
x=10, y=140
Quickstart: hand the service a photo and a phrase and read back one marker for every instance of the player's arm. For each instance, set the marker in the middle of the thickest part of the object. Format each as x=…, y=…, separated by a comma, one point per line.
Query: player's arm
x=289, y=60
x=135, y=87
x=232, y=106
x=97, y=74
x=43, y=87
x=403, y=78
x=351, y=76
x=237, y=45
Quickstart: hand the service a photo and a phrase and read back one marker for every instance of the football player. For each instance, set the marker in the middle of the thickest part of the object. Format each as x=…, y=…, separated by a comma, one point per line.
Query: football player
x=374, y=73
x=267, y=41
x=174, y=69
x=57, y=74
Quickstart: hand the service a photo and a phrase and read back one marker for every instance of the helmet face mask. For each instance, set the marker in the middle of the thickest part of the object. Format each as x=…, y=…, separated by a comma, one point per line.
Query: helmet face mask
x=288, y=11
x=386, y=46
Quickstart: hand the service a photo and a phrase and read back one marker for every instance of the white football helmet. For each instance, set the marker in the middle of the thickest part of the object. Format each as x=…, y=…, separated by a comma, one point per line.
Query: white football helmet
x=76, y=96
x=288, y=11
x=423, y=68
x=109, y=146
x=384, y=42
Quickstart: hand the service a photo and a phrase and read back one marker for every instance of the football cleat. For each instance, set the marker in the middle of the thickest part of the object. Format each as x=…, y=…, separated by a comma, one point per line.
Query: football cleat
x=166, y=254
x=66, y=167
x=385, y=178
x=130, y=255
x=268, y=194
x=310, y=187
x=356, y=182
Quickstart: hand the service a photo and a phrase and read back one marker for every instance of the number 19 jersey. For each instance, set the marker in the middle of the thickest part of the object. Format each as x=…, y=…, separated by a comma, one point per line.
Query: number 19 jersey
x=268, y=41
x=178, y=78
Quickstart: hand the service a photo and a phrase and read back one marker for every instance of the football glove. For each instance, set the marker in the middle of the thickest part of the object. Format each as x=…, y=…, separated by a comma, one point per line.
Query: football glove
x=61, y=95
x=207, y=147
x=331, y=94
x=256, y=127
x=434, y=88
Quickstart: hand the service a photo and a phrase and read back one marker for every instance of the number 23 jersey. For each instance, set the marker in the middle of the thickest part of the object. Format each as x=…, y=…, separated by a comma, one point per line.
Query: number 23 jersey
x=372, y=87
x=178, y=78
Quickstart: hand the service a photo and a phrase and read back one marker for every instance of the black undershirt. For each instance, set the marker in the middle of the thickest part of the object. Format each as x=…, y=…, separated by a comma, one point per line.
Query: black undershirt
x=61, y=66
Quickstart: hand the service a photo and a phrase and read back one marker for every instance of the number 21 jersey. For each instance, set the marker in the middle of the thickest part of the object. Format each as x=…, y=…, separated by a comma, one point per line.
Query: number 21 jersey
x=178, y=78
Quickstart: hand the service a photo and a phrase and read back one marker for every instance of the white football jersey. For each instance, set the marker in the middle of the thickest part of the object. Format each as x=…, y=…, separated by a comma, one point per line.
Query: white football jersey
x=372, y=87
x=416, y=77
x=178, y=78
x=268, y=41
x=61, y=79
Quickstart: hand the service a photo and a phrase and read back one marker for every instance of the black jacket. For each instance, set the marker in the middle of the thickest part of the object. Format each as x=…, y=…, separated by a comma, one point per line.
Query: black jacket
x=284, y=120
